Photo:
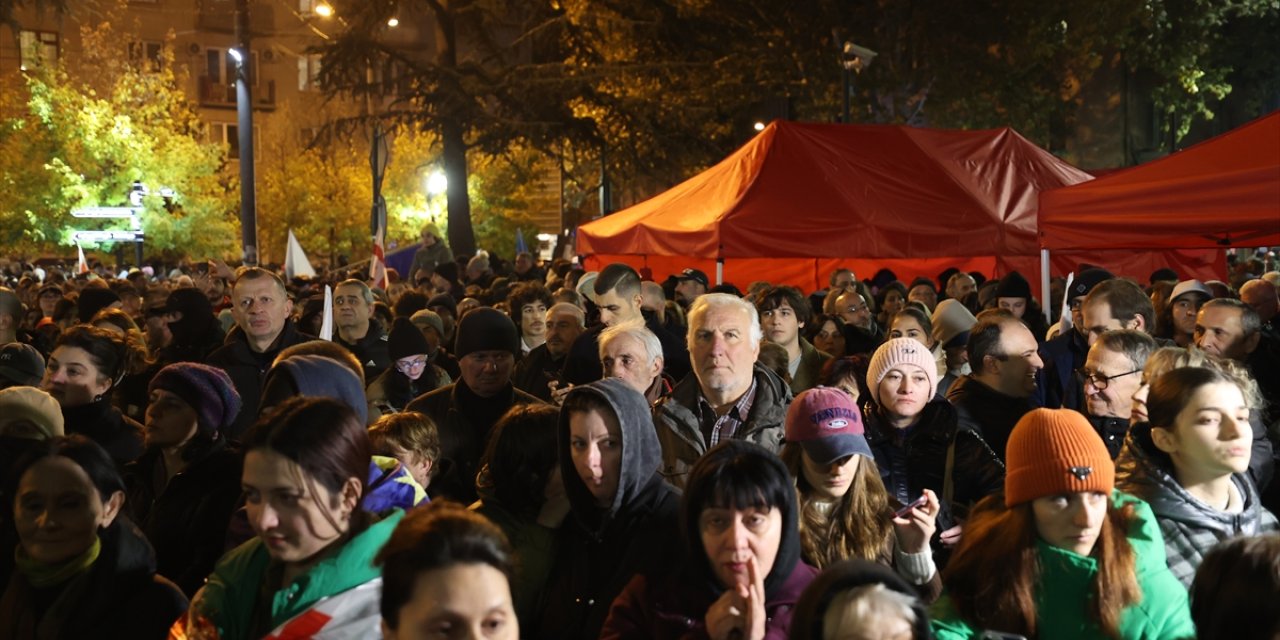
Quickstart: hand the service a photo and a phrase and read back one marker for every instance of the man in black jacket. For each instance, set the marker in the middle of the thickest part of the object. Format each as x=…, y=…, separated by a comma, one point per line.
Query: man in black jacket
x=1005, y=362
x=543, y=363
x=1112, y=374
x=465, y=411
x=263, y=328
x=358, y=330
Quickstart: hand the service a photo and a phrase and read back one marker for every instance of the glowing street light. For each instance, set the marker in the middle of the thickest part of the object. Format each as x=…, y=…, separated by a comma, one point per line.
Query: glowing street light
x=236, y=55
x=393, y=22
x=324, y=10
x=758, y=126
x=437, y=183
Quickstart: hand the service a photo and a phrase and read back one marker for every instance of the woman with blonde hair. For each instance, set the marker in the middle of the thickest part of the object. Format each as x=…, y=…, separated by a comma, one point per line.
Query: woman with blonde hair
x=844, y=510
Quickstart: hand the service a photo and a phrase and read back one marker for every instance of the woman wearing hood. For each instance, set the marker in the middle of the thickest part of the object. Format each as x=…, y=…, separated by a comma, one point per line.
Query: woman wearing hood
x=1189, y=463
x=196, y=331
x=743, y=574
x=623, y=515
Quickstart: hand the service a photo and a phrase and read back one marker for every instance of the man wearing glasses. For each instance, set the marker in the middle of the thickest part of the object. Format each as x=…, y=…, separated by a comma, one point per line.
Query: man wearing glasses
x=1110, y=376
x=861, y=334
x=1059, y=386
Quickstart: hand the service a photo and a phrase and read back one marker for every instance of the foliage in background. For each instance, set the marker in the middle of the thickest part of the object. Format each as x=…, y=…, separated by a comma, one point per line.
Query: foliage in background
x=84, y=141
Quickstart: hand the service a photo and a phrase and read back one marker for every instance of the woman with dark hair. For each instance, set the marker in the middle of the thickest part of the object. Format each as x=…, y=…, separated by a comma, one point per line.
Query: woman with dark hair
x=623, y=514
x=521, y=491
x=529, y=303
x=131, y=394
x=184, y=488
x=1233, y=596
x=912, y=322
x=891, y=299
x=849, y=374
x=305, y=473
x=845, y=511
x=826, y=333
x=411, y=373
x=86, y=365
x=82, y=571
x=1189, y=462
x=446, y=573
x=743, y=574
x=1061, y=554
x=1013, y=294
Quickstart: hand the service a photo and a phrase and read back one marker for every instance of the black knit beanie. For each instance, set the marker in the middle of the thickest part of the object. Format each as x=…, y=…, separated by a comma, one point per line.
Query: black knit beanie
x=486, y=329
x=406, y=340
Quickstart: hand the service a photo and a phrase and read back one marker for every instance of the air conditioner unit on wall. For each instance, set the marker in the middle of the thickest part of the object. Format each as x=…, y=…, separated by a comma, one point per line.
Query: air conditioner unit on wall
x=269, y=55
x=194, y=48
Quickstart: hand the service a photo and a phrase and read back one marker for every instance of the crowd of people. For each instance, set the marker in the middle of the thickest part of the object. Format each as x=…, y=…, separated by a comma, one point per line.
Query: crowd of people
x=530, y=450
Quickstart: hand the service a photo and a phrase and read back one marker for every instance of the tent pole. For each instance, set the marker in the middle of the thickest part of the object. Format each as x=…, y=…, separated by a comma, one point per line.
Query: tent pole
x=1044, y=284
x=719, y=270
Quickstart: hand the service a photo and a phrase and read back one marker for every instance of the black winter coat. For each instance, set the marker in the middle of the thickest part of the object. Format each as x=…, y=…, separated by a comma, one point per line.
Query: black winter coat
x=186, y=522
x=915, y=459
x=120, y=596
x=106, y=425
x=986, y=411
x=248, y=370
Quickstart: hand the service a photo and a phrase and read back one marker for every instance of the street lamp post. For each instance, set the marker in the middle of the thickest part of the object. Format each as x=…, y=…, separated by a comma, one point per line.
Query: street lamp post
x=244, y=124
x=853, y=59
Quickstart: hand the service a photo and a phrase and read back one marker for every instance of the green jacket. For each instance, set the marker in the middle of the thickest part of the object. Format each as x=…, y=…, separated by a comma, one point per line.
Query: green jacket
x=811, y=363
x=1067, y=581
x=228, y=599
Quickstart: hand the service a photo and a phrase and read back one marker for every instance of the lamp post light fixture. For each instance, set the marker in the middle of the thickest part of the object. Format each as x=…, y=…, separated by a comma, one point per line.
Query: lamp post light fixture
x=244, y=126
x=853, y=59
x=437, y=183
x=393, y=22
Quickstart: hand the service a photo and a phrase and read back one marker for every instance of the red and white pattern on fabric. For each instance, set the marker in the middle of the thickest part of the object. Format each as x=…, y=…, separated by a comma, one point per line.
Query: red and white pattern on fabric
x=378, y=264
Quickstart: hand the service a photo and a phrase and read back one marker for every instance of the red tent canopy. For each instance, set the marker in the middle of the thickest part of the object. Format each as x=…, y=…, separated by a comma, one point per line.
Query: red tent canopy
x=1222, y=192
x=799, y=200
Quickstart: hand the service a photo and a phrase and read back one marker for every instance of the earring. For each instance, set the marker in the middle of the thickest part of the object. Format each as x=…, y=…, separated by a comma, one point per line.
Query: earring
x=97, y=398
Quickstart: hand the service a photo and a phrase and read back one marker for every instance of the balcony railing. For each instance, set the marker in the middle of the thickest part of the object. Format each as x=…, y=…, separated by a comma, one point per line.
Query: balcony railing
x=215, y=93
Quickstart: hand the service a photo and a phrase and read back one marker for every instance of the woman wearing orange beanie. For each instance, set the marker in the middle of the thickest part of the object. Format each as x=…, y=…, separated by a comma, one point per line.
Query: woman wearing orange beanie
x=1061, y=554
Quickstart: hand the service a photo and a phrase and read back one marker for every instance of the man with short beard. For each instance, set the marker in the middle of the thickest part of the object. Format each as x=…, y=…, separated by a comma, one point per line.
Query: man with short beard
x=541, y=366
x=1003, y=356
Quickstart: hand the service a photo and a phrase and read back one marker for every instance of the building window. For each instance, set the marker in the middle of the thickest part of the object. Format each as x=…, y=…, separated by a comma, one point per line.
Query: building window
x=146, y=55
x=309, y=72
x=228, y=133
x=221, y=67
x=37, y=48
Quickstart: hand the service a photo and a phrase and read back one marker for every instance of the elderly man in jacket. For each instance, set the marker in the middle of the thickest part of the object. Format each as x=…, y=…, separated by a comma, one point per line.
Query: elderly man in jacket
x=727, y=395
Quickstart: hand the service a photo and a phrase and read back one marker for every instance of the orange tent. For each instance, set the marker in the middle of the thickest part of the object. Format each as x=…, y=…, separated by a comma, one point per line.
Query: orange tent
x=1219, y=193
x=799, y=200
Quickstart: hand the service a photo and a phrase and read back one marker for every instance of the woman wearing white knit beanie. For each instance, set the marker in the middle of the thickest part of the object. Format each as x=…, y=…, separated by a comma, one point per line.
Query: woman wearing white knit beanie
x=915, y=440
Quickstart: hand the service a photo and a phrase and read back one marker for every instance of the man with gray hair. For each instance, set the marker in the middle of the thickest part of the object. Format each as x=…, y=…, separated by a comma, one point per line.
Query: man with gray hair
x=1229, y=328
x=358, y=330
x=727, y=396
x=631, y=352
x=1112, y=373
x=541, y=366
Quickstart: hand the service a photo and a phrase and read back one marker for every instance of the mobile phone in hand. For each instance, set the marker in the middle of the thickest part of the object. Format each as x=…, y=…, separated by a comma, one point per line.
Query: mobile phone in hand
x=902, y=513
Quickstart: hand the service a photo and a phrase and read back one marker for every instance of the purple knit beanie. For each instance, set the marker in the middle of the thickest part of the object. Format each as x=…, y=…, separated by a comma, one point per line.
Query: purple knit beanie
x=207, y=389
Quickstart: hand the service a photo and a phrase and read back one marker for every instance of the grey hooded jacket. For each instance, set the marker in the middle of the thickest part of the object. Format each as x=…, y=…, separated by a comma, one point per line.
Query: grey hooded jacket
x=600, y=549
x=1191, y=528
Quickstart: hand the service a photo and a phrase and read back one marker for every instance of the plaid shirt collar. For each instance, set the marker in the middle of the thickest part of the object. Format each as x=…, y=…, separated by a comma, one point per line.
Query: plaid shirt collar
x=716, y=428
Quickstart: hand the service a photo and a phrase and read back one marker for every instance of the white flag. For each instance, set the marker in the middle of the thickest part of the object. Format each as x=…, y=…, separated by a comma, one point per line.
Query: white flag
x=83, y=265
x=326, y=325
x=295, y=260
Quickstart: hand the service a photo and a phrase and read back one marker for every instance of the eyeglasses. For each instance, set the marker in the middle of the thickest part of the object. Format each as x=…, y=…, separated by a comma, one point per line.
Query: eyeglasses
x=1101, y=382
x=855, y=308
x=416, y=363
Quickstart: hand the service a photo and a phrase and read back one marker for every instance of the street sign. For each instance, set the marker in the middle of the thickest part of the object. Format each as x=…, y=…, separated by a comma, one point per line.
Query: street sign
x=108, y=236
x=105, y=212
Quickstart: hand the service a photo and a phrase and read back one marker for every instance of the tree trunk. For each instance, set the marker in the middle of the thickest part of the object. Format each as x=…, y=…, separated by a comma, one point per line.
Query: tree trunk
x=462, y=237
